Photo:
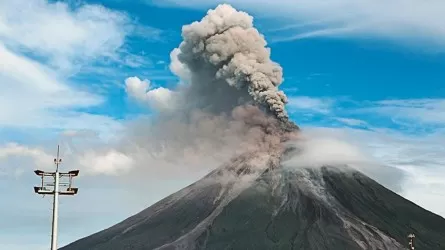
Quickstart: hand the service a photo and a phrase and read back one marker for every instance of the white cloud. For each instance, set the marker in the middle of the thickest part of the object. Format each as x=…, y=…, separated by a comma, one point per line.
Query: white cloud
x=177, y=67
x=15, y=158
x=136, y=61
x=79, y=133
x=426, y=111
x=306, y=103
x=320, y=149
x=414, y=114
x=21, y=75
x=403, y=20
x=321, y=32
x=13, y=149
x=351, y=121
x=110, y=162
x=89, y=158
x=41, y=43
x=136, y=87
x=60, y=33
x=33, y=96
x=141, y=90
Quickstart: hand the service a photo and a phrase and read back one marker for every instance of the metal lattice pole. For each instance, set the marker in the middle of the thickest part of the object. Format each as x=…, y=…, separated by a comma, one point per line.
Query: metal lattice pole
x=55, y=206
x=53, y=188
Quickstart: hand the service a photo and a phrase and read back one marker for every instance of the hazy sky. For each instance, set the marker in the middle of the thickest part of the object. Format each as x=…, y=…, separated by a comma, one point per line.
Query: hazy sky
x=364, y=78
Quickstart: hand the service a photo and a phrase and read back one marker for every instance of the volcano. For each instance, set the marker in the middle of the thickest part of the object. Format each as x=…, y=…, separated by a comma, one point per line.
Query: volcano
x=255, y=201
x=332, y=207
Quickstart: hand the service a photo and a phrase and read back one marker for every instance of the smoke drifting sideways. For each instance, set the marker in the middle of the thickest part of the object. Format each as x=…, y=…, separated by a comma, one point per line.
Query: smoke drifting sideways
x=228, y=105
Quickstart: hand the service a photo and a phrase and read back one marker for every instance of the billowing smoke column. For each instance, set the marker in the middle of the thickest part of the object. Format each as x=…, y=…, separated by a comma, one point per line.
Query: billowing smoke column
x=230, y=64
x=229, y=109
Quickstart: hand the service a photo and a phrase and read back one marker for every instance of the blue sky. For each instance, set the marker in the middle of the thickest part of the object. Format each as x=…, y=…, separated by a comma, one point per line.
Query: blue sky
x=369, y=76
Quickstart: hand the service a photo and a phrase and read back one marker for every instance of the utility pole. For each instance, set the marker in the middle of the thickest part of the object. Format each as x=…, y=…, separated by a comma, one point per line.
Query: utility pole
x=411, y=241
x=53, y=188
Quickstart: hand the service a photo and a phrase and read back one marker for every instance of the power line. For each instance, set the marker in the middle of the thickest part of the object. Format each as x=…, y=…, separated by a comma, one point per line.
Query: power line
x=52, y=187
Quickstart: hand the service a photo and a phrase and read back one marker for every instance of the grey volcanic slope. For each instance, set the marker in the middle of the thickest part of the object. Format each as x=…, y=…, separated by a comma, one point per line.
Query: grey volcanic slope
x=327, y=208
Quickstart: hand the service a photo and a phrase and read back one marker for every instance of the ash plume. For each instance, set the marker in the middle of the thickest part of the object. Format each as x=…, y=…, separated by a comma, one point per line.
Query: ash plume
x=229, y=64
x=227, y=105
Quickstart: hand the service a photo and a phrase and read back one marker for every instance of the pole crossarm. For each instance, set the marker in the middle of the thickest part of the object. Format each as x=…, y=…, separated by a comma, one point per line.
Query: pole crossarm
x=52, y=187
x=45, y=189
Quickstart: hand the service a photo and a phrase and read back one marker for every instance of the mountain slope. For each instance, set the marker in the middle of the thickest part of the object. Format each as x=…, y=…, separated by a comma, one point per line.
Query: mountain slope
x=328, y=208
